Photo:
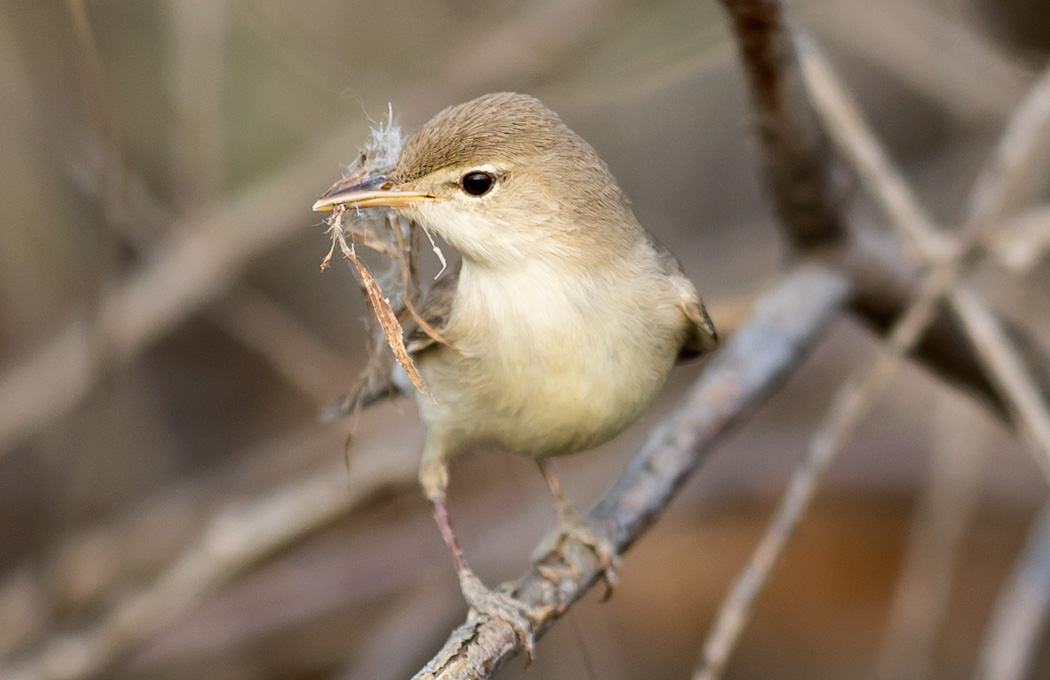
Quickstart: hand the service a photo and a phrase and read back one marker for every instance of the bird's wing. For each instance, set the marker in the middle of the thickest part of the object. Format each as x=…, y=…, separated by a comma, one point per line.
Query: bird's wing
x=376, y=382
x=702, y=337
x=434, y=310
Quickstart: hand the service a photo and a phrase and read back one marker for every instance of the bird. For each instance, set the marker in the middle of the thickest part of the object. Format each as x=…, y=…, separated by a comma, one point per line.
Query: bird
x=563, y=319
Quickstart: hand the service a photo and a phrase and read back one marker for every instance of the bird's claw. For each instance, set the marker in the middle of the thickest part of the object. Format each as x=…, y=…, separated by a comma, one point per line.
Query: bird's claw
x=500, y=605
x=572, y=526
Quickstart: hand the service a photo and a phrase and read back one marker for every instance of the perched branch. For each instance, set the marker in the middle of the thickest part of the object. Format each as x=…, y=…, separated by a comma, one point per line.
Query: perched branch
x=748, y=368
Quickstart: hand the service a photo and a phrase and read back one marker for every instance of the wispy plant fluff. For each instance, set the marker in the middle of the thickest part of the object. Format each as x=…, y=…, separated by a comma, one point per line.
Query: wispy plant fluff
x=393, y=291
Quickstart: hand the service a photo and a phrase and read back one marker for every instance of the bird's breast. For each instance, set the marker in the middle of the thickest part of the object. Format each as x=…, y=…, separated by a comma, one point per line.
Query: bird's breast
x=545, y=363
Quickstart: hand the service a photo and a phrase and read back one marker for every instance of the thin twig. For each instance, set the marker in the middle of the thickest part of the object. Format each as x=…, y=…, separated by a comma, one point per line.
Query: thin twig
x=1022, y=241
x=856, y=396
x=747, y=369
x=1016, y=173
x=846, y=126
x=1021, y=613
x=930, y=49
x=1007, y=371
x=1017, y=152
x=797, y=157
x=849, y=405
x=933, y=555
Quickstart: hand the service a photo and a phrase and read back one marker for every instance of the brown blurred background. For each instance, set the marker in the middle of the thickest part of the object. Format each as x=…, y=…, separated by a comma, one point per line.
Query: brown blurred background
x=167, y=338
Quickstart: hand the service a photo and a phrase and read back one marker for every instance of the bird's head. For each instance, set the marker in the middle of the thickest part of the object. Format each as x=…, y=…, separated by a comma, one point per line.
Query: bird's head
x=503, y=180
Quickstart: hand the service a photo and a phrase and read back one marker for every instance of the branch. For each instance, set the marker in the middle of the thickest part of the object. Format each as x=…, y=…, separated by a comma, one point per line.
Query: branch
x=943, y=253
x=1005, y=367
x=1023, y=240
x=850, y=404
x=934, y=552
x=785, y=324
x=886, y=278
x=1018, y=151
x=1021, y=612
x=799, y=162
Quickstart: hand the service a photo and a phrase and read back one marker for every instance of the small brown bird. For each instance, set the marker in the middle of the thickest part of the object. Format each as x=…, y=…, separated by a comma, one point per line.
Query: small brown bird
x=565, y=317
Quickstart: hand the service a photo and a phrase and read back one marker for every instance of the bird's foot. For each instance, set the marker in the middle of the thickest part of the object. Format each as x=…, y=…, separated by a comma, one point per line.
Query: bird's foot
x=500, y=605
x=572, y=526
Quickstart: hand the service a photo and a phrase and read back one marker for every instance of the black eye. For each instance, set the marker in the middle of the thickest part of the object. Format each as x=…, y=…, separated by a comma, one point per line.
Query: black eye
x=477, y=183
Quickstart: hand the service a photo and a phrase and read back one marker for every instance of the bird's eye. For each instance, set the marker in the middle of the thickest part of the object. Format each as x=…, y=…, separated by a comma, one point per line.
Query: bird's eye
x=477, y=183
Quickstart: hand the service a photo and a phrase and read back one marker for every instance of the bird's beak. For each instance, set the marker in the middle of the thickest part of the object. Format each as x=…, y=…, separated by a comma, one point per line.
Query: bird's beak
x=375, y=192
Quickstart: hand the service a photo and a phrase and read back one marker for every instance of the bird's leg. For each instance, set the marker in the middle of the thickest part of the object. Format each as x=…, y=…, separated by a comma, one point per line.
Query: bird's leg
x=433, y=476
x=573, y=525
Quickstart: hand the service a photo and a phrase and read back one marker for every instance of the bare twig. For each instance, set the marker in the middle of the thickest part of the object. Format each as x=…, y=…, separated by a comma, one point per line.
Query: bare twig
x=1021, y=242
x=846, y=126
x=886, y=280
x=1018, y=151
x=797, y=157
x=930, y=49
x=748, y=368
x=849, y=405
x=1017, y=171
x=1021, y=612
x=855, y=397
x=885, y=283
x=933, y=553
x=1007, y=370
